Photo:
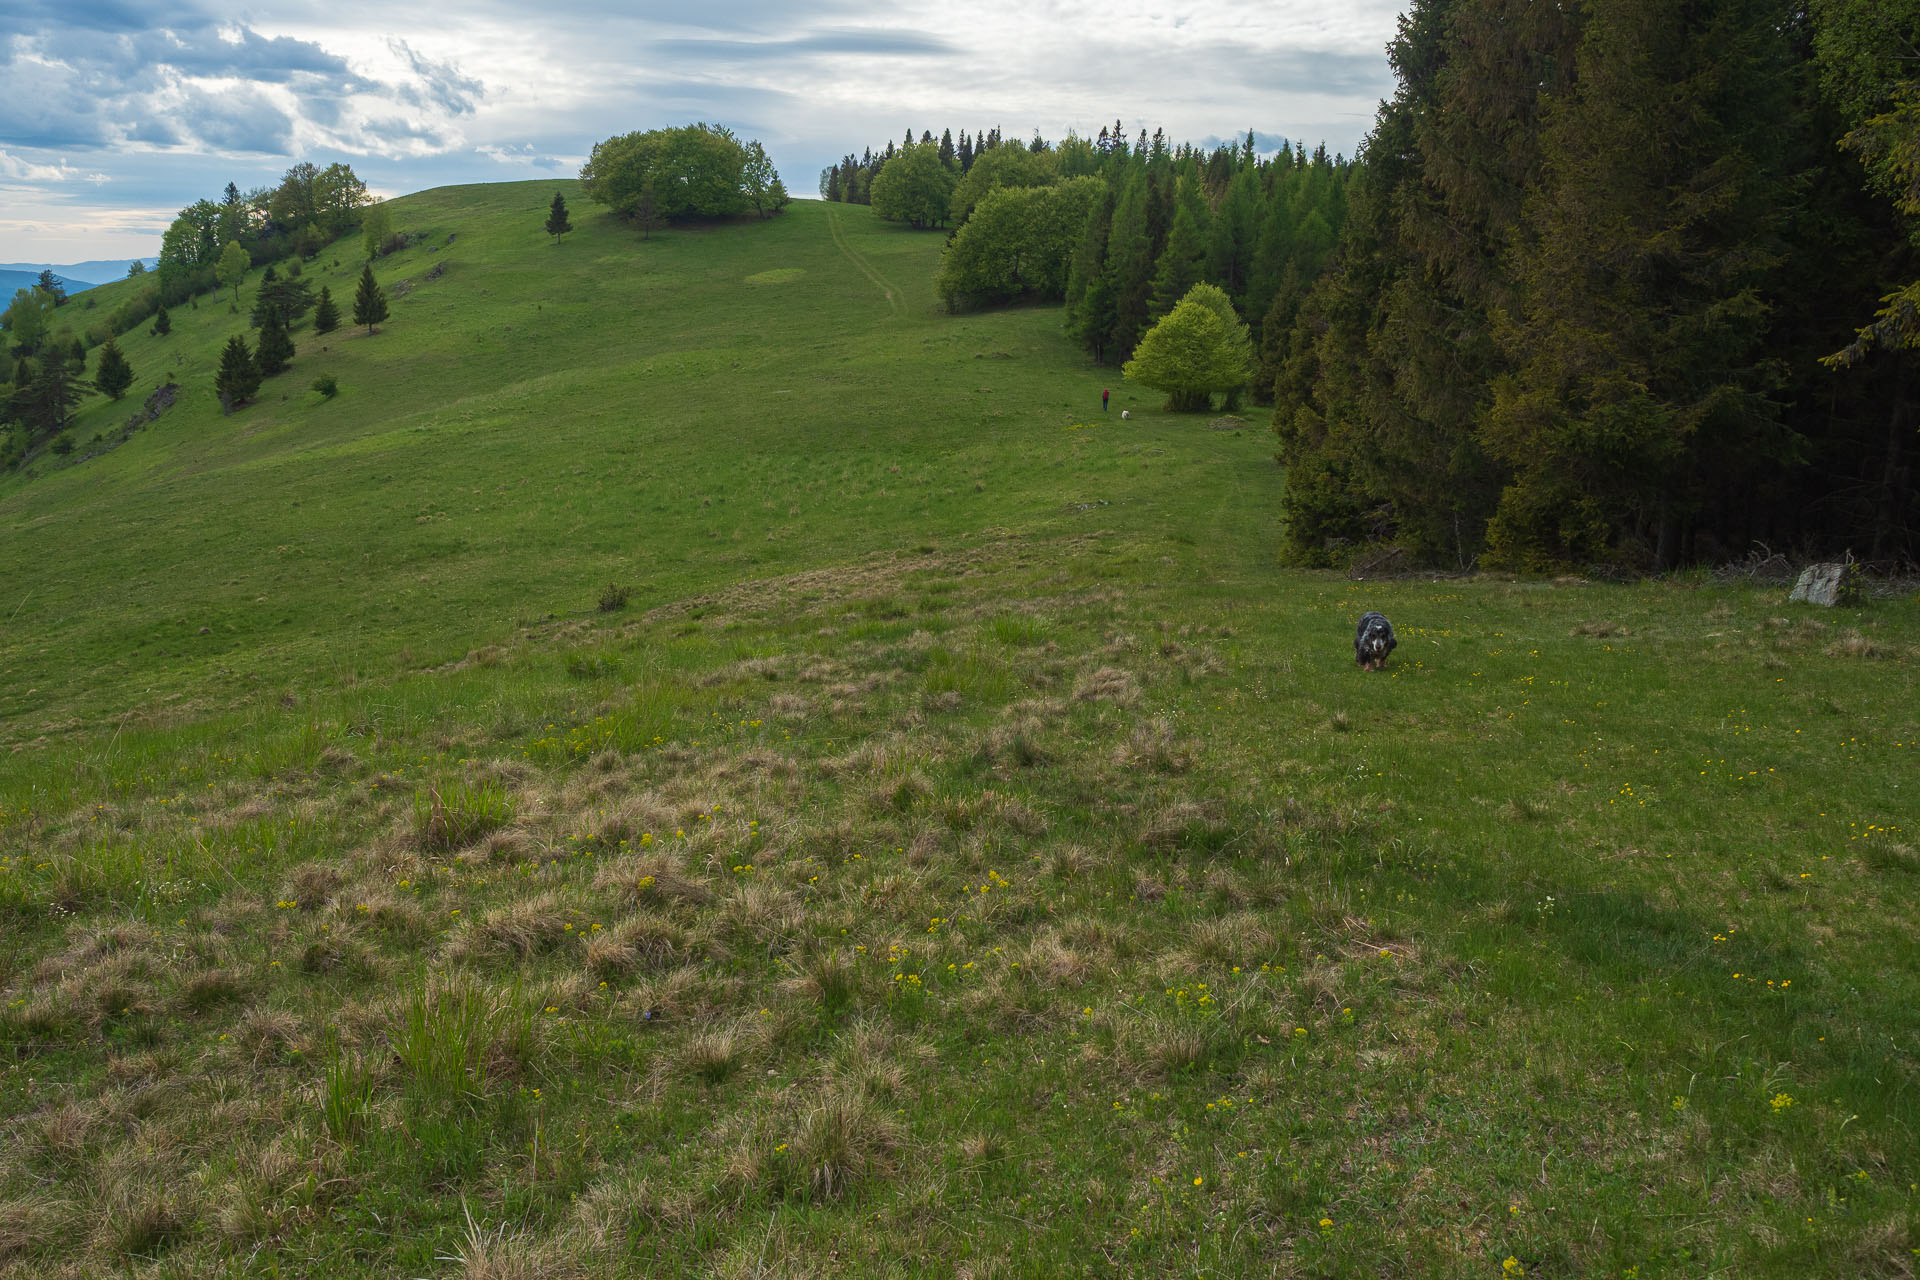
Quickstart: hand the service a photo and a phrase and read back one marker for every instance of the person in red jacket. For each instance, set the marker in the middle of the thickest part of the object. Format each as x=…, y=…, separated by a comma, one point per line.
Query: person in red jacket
x=1103, y=401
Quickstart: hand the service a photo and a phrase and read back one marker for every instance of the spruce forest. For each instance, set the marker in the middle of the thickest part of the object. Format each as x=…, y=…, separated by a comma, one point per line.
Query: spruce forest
x=1622, y=284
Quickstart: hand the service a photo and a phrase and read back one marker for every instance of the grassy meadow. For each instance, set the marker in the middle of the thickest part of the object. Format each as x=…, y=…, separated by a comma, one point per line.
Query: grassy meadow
x=966, y=852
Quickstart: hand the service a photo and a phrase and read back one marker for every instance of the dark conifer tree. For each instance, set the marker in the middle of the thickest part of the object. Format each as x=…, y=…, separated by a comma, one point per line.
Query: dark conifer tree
x=50, y=397
x=1089, y=290
x=239, y=378
x=558, y=223
x=162, y=323
x=1129, y=268
x=326, y=316
x=1182, y=263
x=114, y=374
x=948, y=156
x=369, y=301
x=1644, y=263
x=275, y=349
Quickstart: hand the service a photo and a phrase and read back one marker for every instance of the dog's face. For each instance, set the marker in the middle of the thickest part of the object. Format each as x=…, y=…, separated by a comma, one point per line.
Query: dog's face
x=1373, y=641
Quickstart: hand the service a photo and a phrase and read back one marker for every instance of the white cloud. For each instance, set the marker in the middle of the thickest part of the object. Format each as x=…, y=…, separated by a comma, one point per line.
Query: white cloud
x=414, y=97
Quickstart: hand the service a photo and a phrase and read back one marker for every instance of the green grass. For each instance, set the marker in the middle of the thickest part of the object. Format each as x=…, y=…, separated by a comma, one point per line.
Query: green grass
x=970, y=876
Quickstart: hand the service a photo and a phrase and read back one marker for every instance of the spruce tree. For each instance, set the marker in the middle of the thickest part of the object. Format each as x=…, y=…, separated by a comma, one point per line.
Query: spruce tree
x=275, y=350
x=1089, y=291
x=1129, y=268
x=114, y=375
x=326, y=316
x=1645, y=261
x=1181, y=264
x=557, y=222
x=50, y=397
x=239, y=378
x=370, y=301
x=162, y=323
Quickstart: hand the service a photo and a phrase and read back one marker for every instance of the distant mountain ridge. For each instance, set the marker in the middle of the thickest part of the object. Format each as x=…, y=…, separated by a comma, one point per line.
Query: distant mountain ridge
x=77, y=276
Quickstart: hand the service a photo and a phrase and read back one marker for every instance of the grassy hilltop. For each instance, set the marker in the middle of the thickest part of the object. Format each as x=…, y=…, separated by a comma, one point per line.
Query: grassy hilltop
x=966, y=851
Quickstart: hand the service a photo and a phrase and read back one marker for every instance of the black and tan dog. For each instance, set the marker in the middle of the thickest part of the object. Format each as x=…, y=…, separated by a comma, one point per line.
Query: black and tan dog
x=1373, y=641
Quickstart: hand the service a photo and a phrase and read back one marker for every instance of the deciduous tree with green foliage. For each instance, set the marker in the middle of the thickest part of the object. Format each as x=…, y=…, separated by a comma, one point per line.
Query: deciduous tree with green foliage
x=1018, y=244
x=1000, y=167
x=232, y=268
x=696, y=171
x=28, y=320
x=915, y=187
x=375, y=226
x=1199, y=348
x=369, y=300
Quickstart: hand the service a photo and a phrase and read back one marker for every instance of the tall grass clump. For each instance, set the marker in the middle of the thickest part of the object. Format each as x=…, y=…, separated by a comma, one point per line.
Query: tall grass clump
x=453, y=818
x=442, y=1038
x=347, y=1091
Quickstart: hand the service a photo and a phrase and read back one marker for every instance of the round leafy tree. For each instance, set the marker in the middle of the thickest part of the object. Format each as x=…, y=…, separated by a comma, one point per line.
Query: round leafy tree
x=1199, y=348
x=914, y=187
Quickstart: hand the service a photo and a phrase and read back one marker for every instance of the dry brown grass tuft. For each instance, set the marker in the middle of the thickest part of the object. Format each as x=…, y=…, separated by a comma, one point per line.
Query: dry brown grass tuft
x=1600, y=630
x=1186, y=824
x=714, y=1055
x=672, y=996
x=139, y=1215
x=32, y=1221
x=211, y=988
x=763, y=912
x=826, y=978
x=1155, y=747
x=844, y=1138
x=500, y=1254
x=1852, y=644
x=310, y=884
x=62, y=1134
x=646, y=940
x=520, y=929
x=1108, y=684
x=653, y=879
x=269, y=1035
x=1053, y=963
x=89, y=946
x=788, y=706
x=1242, y=938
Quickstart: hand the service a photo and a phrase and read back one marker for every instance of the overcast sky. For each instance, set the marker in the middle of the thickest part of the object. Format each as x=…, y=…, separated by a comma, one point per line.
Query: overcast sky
x=116, y=113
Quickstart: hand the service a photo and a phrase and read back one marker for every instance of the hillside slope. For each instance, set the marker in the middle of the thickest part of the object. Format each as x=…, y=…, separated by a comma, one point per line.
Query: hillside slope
x=534, y=422
x=965, y=854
